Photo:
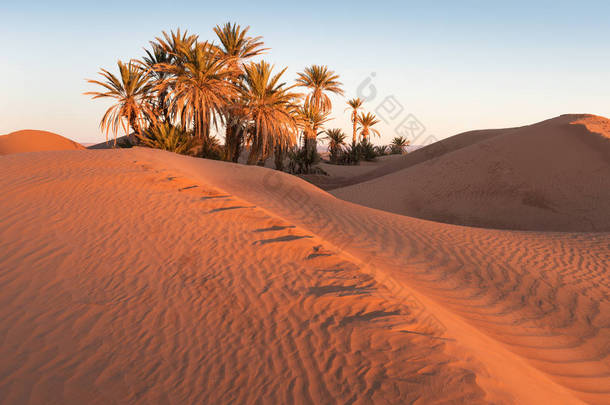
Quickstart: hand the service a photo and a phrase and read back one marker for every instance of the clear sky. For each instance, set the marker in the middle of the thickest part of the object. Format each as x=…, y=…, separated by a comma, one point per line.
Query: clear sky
x=454, y=66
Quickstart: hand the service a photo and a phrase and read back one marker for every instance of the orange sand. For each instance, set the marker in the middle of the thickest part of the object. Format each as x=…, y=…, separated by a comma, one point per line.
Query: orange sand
x=140, y=276
x=552, y=176
x=29, y=140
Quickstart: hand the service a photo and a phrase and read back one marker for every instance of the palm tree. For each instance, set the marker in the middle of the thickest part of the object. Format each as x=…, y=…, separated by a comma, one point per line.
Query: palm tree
x=133, y=93
x=199, y=84
x=398, y=145
x=311, y=120
x=167, y=51
x=336, y=139
x=174, y=41
x=235, y=44
x=355, y=104
x=366, y=122
x=320, y=80
x=268, y=104
x=154, y=57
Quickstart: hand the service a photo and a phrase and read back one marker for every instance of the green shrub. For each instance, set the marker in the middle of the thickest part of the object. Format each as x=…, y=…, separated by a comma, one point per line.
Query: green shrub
x=367, y=150
x=381, y=150
x=167, y=137
x=398, y=145
x=300, y=160
x=350, y=155
x=210, y=148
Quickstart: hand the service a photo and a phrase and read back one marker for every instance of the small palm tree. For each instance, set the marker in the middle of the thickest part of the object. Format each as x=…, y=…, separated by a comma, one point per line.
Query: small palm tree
x=381, y=150
x=311, y=120
x=167, y=137
x=336, y=139
x=320, y=80
x=268, y=104
x=398, y=145
x=366, y=123
x=367, y=150
x=235, y=44
x=133, y=92
x=355, y=104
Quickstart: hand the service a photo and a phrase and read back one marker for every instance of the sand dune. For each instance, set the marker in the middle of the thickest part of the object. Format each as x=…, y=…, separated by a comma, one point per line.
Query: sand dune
x=343, y=176
x=552, y=176
x=140, y=276
x=29, y=140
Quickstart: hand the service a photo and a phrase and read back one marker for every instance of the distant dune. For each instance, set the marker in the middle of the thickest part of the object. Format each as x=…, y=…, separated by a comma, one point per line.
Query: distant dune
x=30, y=140
x=138, y=276
x=552, y=176
x=110, y=144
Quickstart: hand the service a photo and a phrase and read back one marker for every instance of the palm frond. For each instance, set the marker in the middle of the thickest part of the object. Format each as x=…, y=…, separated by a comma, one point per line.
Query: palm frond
x=132, y=90
x=320, y=80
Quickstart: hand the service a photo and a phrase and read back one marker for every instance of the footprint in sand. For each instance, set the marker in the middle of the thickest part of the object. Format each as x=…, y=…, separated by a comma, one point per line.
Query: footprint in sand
x=274, y=228
x=287, y=238
x=236, y=207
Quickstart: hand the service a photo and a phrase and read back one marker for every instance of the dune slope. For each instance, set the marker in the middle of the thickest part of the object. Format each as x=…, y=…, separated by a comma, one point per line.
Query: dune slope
x=350, y=175
x=140, y=276
x=29, y=140
x=552, y=176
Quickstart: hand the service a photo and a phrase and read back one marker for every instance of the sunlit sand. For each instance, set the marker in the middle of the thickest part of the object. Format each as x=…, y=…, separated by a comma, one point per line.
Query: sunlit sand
x=233, y=243
x=141, y=276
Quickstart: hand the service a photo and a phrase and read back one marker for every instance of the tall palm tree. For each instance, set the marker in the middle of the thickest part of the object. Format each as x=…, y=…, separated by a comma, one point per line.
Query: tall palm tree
x=133, y=92
x=155, y=56
x=199, y=84
x=171, y=45
x=174, y=41
x=268, y=104
x=366, y=123
x=336, y=139
x=235, y=44
x=320, y=80
x=355, y=104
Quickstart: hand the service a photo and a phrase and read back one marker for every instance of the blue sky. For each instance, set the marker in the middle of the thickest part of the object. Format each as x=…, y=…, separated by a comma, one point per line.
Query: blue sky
x=454, y=67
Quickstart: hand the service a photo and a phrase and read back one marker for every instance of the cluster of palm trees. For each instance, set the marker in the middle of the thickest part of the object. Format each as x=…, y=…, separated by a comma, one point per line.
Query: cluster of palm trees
x=362, y=129
x=186, y=87
x=183, y=90
x=361, y=122
x=340, y=152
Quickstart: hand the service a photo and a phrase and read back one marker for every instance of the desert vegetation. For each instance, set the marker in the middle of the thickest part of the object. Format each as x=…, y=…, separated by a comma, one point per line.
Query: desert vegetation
x=184, y=92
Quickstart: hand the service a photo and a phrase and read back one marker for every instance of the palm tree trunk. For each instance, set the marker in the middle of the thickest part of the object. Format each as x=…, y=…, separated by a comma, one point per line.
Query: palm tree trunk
x=310, y=150
x=354, y=127
x=239, y=138
x=279, y=157
x=229, y=139
x=136, y=130
x=262, y=157
x=264, y=150
x=365, y=134
x=196, y=127
x=255, y=148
